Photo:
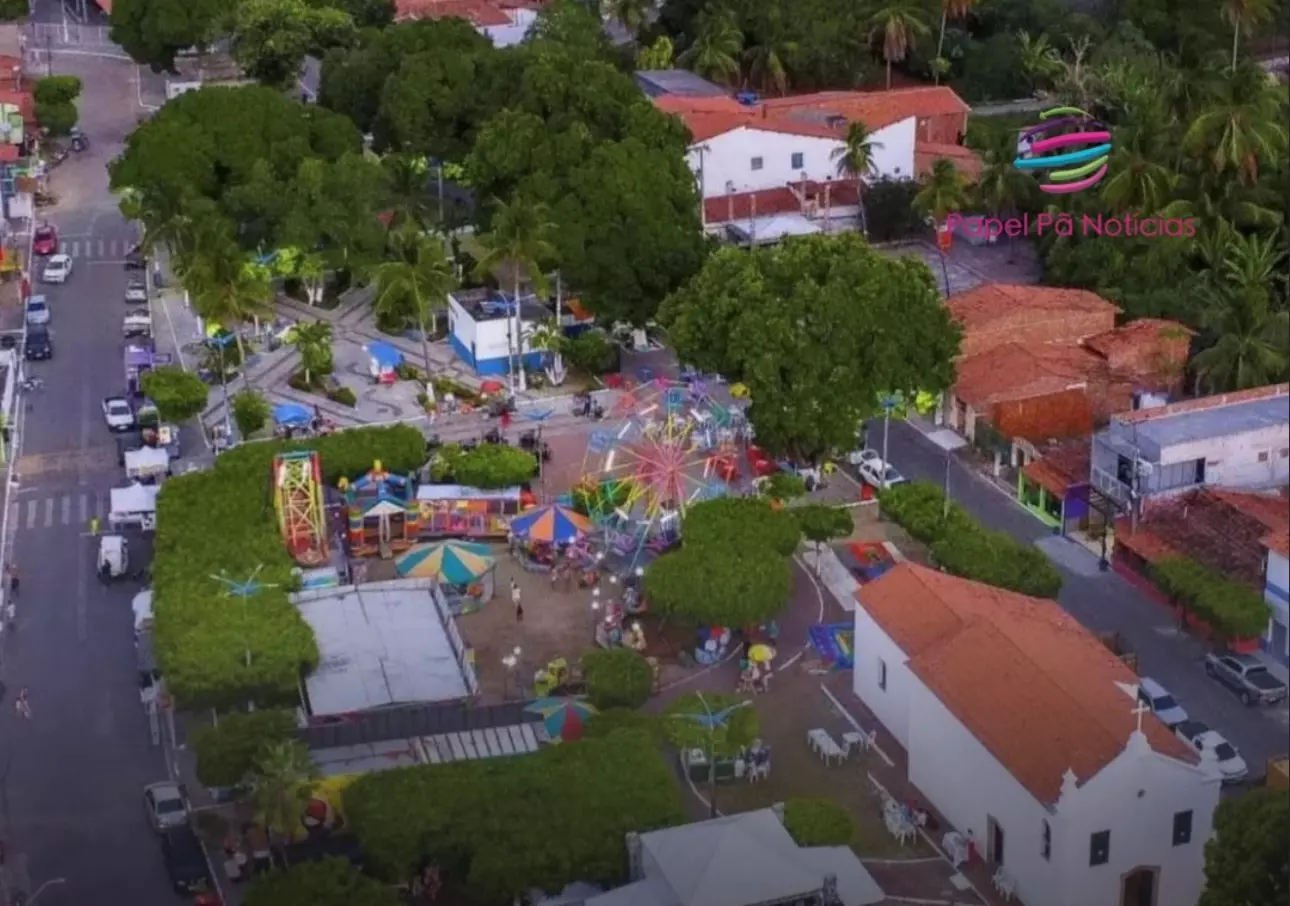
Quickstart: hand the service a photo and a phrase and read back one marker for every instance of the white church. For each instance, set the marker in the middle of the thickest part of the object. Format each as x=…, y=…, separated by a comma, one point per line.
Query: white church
x=1022, y=728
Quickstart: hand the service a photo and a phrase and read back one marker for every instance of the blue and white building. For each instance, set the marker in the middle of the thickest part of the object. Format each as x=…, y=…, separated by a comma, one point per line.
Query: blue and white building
x=1276, y=591
x=480, y=322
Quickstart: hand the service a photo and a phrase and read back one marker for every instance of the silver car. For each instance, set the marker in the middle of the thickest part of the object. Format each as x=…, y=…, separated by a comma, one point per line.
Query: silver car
x=166, y=804
x=136, y=293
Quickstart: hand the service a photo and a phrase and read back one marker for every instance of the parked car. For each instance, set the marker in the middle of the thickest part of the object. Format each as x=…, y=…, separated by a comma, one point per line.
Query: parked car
x=137, y=323
x=1245, y=675
x=185, y=861
x=37, y=311
x=166, y=805
x=57, y=269
x=1201, y=738
x=45, y=241
x=879, y=474
x=135, y=260
x=1162, y=704
x=39, y=344
x=859, y=457
x=136, y=293
x=118, y=413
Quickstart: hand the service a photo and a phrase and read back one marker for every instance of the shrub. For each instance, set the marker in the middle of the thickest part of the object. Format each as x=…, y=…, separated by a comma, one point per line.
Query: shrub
x=330, y=882
x=818, y=822
x=593, y=352
x=344, y=396
x=1230, y=609
x=251, y=412
x=784, y=486
x=719, y=584
x=602, y=723
x=227, y=751
x=296, y=381
x=222, y=521
x=57, y=89
x=742, y=522
x=178, y=394
x=482, y=817
x=494, y=466
x=617, y=678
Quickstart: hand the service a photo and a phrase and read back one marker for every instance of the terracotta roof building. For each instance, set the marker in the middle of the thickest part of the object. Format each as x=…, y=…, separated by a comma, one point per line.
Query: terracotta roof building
x=1021, y=726
x=506, y=22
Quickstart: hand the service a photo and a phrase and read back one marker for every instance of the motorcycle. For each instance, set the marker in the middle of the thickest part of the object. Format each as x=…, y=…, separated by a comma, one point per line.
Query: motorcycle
x=494, y=437
x=78, y=141
x=32, y=383
x=529, y=443
x=499, y=407
x=587, y=406
x=45, y=199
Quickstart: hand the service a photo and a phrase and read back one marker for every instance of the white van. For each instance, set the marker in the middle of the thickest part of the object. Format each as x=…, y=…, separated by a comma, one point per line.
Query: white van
x=1162, y=704
x=142, y=608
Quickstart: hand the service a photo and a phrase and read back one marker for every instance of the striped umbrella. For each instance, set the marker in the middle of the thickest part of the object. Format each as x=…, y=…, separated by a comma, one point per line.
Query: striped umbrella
x=453, y=562
x=552, y=524
x=564, y=718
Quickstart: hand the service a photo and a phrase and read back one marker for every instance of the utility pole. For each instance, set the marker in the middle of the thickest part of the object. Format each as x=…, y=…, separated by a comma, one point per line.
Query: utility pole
x=945, y=513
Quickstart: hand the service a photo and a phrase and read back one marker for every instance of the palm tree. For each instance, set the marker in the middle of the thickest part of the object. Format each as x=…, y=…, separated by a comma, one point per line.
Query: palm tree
x=1244, y=16
x=522, y=238
x=407, y=179
x=1039, y=59
x=1206, y=197
x=419, y=277
x=950, y=9
x=855, y=158
x=1253, y=345
x=714, y=51
x=314, y=343
x=1138, y=180
x=943, y=192
x=1243, y=127
x=282, y=784
x=1254, y=261
x=228, y=288
x=899, y=25
x=765, y=61
x=547, y=337
x=1002, y=188
x=632, y=15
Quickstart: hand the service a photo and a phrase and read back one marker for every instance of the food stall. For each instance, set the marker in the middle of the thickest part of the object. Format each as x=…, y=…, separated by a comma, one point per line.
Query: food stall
x=135, y=506
x=147, y=465
x=139, y=359
x=456, y=511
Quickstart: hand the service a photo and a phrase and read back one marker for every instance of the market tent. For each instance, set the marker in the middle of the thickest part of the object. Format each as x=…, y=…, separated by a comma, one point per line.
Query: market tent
x=291, y=414
x=146, y=460
x=551, y=524
x=137, y=498
x=387, y=357
x=453, y=562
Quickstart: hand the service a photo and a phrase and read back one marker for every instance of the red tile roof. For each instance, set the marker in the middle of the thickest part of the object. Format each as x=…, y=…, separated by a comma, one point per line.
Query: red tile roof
x=1061, y=467
x=1016, y=372
x=788, y=199
x=982, y=307
x=480, y=13
x=22, y=99
x=1206, y=402
x=1278, y=542
x=965, y=160
x=1037, y=689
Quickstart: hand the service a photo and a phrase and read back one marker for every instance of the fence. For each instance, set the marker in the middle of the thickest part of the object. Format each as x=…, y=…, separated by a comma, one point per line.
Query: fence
x=408, y=721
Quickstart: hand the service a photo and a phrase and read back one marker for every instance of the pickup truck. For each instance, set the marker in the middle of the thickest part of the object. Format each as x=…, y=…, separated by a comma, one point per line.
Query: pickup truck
x=1246, y=676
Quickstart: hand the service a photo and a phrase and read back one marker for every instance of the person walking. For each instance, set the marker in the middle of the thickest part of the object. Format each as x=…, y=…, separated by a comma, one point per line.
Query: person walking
x=94, y=526
x=13, y=581
x=22, y=705
x=517, y=600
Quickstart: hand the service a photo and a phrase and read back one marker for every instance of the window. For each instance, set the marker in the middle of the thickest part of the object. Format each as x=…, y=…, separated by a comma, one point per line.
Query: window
x=798, y=161
x=1182, y=828
x=1046, y=849
x=882, y=674
x=1263, y=457
x=756, y=163
x=1099, y=848
x=1200, y=471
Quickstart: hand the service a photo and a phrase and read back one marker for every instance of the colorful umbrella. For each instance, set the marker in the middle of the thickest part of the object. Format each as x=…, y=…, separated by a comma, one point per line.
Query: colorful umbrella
x=491, y=386
x=553, y=524
x=761, y=654
x=564, y=718
x=453, y=562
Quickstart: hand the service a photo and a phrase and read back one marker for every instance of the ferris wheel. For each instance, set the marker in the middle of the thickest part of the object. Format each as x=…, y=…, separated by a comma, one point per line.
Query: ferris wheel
x=639, y=479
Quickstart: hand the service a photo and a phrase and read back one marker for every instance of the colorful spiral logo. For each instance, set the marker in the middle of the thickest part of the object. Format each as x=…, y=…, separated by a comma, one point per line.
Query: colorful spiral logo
x=1072, y=171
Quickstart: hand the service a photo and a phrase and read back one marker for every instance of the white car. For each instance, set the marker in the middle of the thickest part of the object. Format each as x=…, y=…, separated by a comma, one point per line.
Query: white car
x=877, y=473
x=118, y=413
x=57, y=269
x=166, y=804
x=136, y=293
x=1201, y=738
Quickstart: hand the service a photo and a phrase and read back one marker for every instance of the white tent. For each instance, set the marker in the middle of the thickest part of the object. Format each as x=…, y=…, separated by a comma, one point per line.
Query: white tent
x=137, y=498
x=147, y=461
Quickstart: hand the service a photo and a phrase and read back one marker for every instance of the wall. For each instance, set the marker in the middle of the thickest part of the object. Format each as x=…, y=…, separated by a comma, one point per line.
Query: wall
x=1135, y=797
x=483, y=344
x=728, y=158
x=890, y=705
x=943, y=130
x=1053, y=416
x=1234, y=460
x=1277, y=594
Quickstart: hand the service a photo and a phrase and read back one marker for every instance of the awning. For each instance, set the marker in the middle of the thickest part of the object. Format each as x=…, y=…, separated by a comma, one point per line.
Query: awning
x=147, y=459
x=386, y=356
x=292, y=414
x=137, y=498
x=767, y=230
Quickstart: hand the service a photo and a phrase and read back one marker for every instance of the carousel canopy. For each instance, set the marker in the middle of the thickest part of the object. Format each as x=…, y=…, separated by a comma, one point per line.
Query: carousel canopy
x=553, y=524
x=453, y=562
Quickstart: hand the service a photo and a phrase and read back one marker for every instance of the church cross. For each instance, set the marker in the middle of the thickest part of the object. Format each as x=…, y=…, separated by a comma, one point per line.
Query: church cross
x=1140, y=710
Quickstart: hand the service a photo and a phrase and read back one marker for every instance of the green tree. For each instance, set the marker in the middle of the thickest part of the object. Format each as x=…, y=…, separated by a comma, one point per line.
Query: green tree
x=821, y=524
x=658, y=55
x=520, y=241
x=229, y=750
x=1246, y=861
x=802, y=326
x=1243, y=128
x=313, y=342
x=571, y=26
x=178, y=394
x=719, y=585
x=1251, y=345
x=602, y=723
x=950, y=9
x=228, y=289
x=331, y=882
x=818, y=822
x=719, y=726
x=153, y=32
x=272, y=37
x=617, y=678
x=14, y=10
x=1001, y=187
x=855, y=159
x=898, y=26
x=632, y=15
x=1039, y=59
x=716, y=46
x=57, y=89
x=944, y=191
x=416, y=283
x=494, y=466
x=741, y=522
x=251, y=412
x=765, y=58
x=407, y=185
x=1244, y=16
x=282, y=784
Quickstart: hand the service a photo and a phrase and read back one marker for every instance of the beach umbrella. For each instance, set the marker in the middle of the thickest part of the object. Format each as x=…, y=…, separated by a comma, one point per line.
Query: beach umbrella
x=453, y=562
x=552, y=524
x=564, y=718
x=292, y=414
x=761, y=654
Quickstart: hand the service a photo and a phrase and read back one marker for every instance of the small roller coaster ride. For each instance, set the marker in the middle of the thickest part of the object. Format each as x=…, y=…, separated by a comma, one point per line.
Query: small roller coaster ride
x=298, y=498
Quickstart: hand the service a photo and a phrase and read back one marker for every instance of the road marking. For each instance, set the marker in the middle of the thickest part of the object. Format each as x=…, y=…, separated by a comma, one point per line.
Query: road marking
x=31, y=514
x=49, y=512
x=85, y=509
x=67, y=509
x=101, y=248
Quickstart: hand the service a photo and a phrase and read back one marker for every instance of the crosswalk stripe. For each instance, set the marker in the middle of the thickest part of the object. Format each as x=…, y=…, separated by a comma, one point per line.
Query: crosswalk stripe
x=85, y=514
x=14, y=510
x=49, y=512
x=31, y=514
x=67, y=509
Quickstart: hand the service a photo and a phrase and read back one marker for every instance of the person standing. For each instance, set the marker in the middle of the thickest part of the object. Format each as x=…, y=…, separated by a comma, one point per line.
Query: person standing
x=517, y=600
x=13, y=581
x=94, y=526
x=22, y=705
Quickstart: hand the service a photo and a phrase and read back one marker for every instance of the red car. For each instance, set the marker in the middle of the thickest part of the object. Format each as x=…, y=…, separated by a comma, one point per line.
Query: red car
x=45, y=242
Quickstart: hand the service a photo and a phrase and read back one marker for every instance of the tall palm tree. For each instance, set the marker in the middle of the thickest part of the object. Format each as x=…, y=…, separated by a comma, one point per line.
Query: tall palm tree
x=1207, y=197
x=523, y=239
x=229, y=289
x=547, y=337
x=406, y=183
x=1040, y=60
x=282, y=784
x=943, y=192
x=419, y=277
x=765, y=61
x=899, y=25
x=314, y=343
x=1253, y=340
x=855, y=158
x=1138, y=180
x=1245, y=16
x=950, y=9
x=1243, y=127
x=1255, y=261
x=714, y=51
x=1002, y=188
x=632, y=15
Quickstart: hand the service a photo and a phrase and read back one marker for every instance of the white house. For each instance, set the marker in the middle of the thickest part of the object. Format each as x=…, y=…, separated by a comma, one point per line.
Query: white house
x=1020, y=727
x=1276, y=590
x=481, y=332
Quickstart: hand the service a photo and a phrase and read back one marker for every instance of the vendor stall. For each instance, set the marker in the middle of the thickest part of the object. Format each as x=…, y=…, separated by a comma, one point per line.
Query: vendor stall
x=147, y=465
x=464, y=571
x=450, y=510
x=383, y=362
x=135, y=505
x=539, y=534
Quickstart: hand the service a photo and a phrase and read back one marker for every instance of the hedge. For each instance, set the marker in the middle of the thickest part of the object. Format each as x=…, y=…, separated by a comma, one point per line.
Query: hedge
x=507, y=825
x=331, y=882
x=222, y=521
x=1230, y=609
x=818, y=822
x=617, y=678
x=719, y=584
x=227, y=751
x=964, y=547
x=742, y=522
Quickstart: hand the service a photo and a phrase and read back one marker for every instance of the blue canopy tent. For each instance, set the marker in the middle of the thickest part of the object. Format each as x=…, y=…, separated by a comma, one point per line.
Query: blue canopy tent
x=384, y=361
x=291, y=415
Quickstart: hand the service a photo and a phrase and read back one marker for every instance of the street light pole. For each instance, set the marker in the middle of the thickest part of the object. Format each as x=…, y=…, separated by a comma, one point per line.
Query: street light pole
x=945, y=514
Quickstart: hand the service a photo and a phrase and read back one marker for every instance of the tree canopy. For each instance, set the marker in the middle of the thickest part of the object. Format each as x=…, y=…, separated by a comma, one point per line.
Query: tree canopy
x=817, y=329
x=229, y=750
x=1246, y=861
x=744, y=523
x=710, y=721
x=617, y=678
x=153, y=32
x=331, y=882
x=178, y=394
x=719, y=585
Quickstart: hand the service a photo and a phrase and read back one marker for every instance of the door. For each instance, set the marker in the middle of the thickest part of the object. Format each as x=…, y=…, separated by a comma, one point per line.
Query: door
x=1139, y=888
x=994, y=841
x=1279, y=637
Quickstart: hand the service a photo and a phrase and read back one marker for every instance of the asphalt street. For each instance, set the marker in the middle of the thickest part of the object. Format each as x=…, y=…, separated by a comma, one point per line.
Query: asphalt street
x=1102, y=601
x=73, y=773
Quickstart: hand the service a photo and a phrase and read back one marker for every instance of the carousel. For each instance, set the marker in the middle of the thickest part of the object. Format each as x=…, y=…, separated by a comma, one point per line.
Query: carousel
x=464, y=570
